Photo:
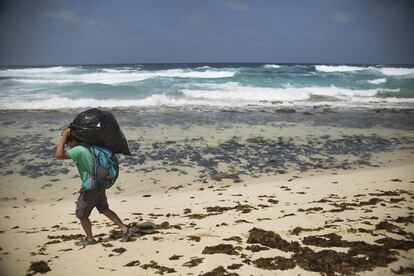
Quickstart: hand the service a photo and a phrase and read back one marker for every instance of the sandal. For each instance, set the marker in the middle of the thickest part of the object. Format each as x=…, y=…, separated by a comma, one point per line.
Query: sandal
x=85, y=242
x=128, y=234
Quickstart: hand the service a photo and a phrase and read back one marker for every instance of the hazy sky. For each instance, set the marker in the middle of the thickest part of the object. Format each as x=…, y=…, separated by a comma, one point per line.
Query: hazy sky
x=38, y=32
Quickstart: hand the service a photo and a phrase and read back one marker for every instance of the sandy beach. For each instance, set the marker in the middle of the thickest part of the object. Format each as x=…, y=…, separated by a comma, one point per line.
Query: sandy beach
x=257, y=138
x=269, y=192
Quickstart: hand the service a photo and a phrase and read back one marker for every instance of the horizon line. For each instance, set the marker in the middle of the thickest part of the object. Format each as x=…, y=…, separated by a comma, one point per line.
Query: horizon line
x=195, y=63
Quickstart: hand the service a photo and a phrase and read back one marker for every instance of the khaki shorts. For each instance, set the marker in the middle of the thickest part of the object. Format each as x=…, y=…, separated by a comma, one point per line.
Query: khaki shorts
x=90, y=199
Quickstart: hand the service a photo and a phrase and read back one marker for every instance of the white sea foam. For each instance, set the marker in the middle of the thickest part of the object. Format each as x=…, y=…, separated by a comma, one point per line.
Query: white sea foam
x=227, y=94
x=102, y=78
x=235, y=92
x=119, y=70
x=108, y=76
x=381, y=100
x=393, y=71
x=53, y=103
x=271, y=66
x=37, y=71
x=208, y=74
x=389, y=71
x=377, y=81
x=339, y=68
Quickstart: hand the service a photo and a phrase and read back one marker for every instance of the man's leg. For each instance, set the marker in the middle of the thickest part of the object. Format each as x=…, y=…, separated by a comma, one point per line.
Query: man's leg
x=84, y=207
x=115, y=219
x=87, y=227
x=103, y=208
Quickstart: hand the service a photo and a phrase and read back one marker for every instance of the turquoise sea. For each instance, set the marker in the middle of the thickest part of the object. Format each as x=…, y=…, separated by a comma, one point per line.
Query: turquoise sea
x=213, y=85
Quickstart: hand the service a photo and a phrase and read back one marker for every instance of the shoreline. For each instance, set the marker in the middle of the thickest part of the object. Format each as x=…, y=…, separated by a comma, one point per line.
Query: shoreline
x=205, y=177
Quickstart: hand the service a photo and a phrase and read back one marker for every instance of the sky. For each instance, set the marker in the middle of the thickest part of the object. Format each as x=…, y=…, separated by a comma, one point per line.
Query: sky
x=52, y=32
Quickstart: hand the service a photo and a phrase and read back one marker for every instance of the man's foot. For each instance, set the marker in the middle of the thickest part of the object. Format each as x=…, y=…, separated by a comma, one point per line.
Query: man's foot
x=85, y=242
x=128, y=234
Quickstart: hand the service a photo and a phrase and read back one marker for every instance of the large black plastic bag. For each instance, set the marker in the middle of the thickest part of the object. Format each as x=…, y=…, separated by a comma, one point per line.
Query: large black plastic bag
x=98, y=127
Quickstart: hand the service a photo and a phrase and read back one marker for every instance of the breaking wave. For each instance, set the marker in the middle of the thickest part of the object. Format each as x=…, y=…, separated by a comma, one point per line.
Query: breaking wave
x=377, y=81
x=338, y=68
x=63, y=75
x=271, y=66
x=226, y=94
x=390, y=71
x=205, y=85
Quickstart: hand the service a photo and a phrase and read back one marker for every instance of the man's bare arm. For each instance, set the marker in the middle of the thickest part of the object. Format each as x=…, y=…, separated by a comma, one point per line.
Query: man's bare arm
x=60, y=148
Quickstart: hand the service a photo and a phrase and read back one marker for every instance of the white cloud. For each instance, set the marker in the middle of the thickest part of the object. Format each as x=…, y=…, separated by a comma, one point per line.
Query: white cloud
x=236, y=5
x=341, y=17
x=66, y=15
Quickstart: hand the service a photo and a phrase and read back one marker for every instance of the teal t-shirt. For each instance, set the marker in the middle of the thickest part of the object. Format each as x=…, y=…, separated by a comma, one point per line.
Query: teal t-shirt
x=83, y=160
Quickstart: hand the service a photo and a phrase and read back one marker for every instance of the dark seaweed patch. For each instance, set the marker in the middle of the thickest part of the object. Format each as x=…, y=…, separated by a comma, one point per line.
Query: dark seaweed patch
x=254, y=156
x=361, y=256
x=133, y=263
x=66, y=237
x=310, y=209
x=327, y=261
x=119, y=250
x=343, y=206
x=53, y=242
x=193, y=262
x=391, y=243
x=219, y=176
x=271, y=239
x=160, y=269
x=194, y=238
x=243, y=208
x=39, y=267
x=234, y=238
x=228, y=249
x=297, y=230
x=257, y=248
x=407, y=219
x=198, y=216
x=273, y=201
x=175, y=257
x=389, y=227
x=329, y=240
x=219, y=271
x=234, y=266
x=276, y=263
x=175, y=157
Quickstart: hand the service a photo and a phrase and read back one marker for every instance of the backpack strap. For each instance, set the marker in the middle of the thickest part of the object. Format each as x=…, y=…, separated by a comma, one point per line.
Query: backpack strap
x=91, y=182
x=92, y=151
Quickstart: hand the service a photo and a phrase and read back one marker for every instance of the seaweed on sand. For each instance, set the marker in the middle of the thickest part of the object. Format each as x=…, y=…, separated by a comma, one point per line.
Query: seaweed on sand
x=272, y=240
x=228, y=249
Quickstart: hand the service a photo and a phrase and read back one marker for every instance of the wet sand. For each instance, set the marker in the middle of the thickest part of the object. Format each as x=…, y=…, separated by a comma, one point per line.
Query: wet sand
x=259, y=192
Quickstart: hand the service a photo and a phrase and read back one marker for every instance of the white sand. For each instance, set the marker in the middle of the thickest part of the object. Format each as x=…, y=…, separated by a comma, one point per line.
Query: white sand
x=39, y=218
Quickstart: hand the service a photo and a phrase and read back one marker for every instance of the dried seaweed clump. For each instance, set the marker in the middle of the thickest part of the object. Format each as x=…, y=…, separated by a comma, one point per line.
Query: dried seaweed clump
x=228, y=249
x=40, y=266
x=219, y=271
x=193, y=262
x=276, y=263
x=160, y=269
x=361, y=256
x=326, y=261
x=272, y=240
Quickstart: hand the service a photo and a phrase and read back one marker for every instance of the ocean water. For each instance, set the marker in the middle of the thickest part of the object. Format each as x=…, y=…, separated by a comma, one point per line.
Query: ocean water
x=213, y=85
